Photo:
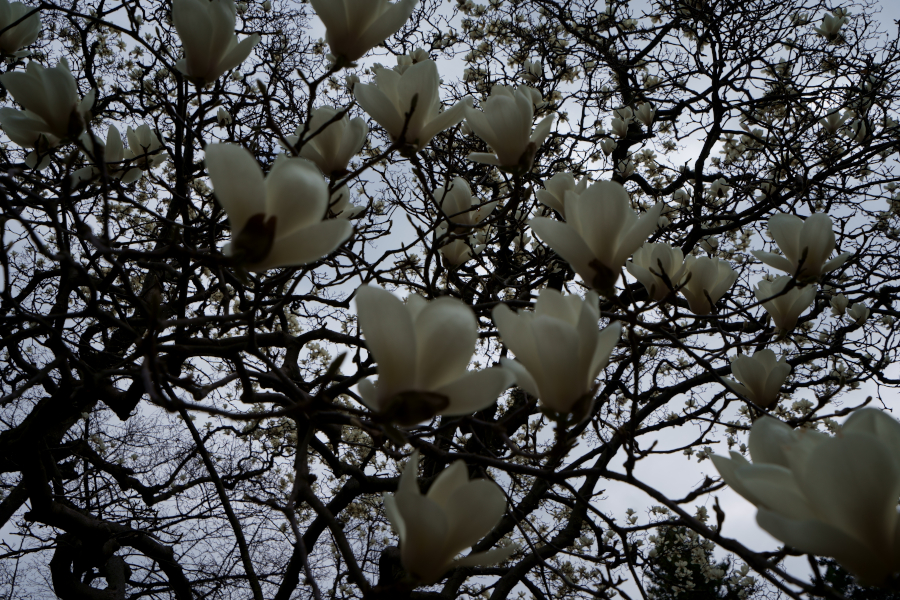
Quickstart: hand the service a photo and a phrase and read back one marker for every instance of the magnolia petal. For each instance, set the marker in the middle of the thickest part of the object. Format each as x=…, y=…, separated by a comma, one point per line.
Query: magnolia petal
x=374, y=101
x=446, y=332
x=238, y=54
x=445, y=120
x=386, y=25
x=237, y=181
x=472, y=511
x=816, y=537
x=776, y=261
x=491, y=557
x=775, y=488
x=297, y=194
x=484, y=158
x=452, y=478
x=475, y=391
x=565, y=242
x=523, y=378
x=727, y=468
x=836, y=262
x=305, y=245
x=390, y=337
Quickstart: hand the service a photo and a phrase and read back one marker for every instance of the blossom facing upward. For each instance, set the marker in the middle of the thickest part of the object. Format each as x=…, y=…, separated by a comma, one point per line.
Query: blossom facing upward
x=112, y=154
x=24, y=34
x=600, y=233
x=829, y=496
x=435, y=527
x=408, y=106
x=331, y=148
x=559, y=348
x=423, y=350
x=649, y=264
x=554, y=193
x=707, y=281
x=353, y=27
x=457, y=204
x=784, y=307
x=144, y=148
x=275, y=221
x=52, y=112
x=206, y=29
x=806, y=246
x=830, y=29
x=759, y=377
x=504, y=123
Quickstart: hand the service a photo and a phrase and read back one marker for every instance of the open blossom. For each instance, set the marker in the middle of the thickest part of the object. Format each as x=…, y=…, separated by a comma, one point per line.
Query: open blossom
x=332, y=147
x=806, y=246
x=834, y=120
x=829, y=496
x=707, y=280
x=423, y=350
x=353, y=27
x=504, y=123
x=784, y=308
x=646, y=112
x=23, y=34
x=112, y=153
x=144, y=148
x=600, y=233
x=759, y=377
x=839, y=304
x=621, y=121
x=408, y=106
x=559, y=349
x=831, y=26
x=649, y=264
x=858, y=313
x=435, y=527
x=456, y=204
x=206, y=29
x=52, y=111
x=554, y=193
x=276, y=221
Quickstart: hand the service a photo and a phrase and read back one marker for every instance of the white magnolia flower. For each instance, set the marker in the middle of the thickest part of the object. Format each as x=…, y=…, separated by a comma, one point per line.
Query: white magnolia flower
x=276, y=221
x=600, y=233
x=423, y=350
x=504, y=123
x=435, y=527
x=559, y=349
x=408, y=106
x=144, y=148
x=608, y=145
x=646, y=112
x=707, y=280
x=839, y=304
x=834, y=120
x=622, y=119
x=331, y=148
x=532, y=71
x=112, y=154
x=651, y=261
x=554, y=193
x=806, y=246
x=831, y=26
x=24, y=33
x=719, y=188
x=223, y=117
x=858, y=313
x=828, y=496
x=52, y=112
x=340, y=205
x=353, y=27
x=761, y=376
x=784, y=308
x=206, y=29
x=457, y=204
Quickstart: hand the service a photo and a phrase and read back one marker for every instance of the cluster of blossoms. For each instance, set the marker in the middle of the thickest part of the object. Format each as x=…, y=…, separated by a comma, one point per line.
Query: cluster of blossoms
x=299, y=211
